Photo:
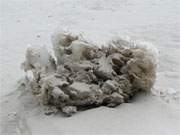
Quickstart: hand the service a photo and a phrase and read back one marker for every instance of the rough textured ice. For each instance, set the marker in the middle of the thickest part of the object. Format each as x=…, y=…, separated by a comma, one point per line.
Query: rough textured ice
x=83, y=75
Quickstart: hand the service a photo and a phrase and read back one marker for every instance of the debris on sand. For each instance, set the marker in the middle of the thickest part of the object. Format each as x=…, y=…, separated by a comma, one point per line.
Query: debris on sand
x=82, y=75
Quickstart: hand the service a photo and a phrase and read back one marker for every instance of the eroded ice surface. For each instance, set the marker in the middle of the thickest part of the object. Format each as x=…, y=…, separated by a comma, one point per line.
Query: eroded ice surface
x=82, y=75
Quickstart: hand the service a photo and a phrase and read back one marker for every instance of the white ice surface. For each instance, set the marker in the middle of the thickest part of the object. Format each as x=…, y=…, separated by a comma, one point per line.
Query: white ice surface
x=32, y=22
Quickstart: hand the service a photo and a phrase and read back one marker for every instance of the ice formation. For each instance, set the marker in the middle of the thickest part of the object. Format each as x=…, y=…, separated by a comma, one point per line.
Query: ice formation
x=82, y=75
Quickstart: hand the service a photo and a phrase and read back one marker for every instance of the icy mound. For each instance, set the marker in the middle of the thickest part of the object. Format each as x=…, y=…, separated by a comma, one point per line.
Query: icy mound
x=82, y=75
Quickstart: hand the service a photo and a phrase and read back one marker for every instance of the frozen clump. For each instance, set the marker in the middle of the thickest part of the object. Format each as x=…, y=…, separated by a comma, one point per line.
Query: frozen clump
x=83, y=75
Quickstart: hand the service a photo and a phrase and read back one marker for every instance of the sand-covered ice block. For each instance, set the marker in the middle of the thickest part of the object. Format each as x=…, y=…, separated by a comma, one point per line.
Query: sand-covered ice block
x=82, y=75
